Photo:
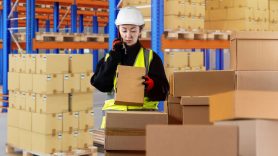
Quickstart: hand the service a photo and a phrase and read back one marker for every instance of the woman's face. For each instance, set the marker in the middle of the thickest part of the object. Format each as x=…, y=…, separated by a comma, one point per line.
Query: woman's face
x=129, y=33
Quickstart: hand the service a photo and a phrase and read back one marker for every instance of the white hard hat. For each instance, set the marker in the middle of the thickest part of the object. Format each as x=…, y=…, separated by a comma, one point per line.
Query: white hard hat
x=130, y=15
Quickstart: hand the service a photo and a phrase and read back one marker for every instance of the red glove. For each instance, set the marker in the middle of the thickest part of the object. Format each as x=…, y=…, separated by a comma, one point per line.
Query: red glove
x=117, y=44
x=149, y=83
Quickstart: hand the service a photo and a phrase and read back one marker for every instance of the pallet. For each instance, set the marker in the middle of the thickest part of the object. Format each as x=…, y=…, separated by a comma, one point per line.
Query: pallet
x=99, y=137
x=94, y=38
x=57, y=37
x=20, y=37
x=196, y=35
x=91, y=151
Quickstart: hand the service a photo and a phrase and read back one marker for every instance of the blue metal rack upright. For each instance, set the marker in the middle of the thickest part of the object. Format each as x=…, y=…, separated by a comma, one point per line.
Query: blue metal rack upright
x=157, y=28
x=47, y=29
x=81, y=30
x=74, y=21
x=113, y=12
x=56, y=21
x=6, y=47
x=95, y=52
x=1, y=50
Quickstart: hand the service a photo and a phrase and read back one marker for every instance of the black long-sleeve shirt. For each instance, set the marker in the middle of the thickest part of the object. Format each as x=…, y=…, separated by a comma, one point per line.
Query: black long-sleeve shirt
x=105, y=72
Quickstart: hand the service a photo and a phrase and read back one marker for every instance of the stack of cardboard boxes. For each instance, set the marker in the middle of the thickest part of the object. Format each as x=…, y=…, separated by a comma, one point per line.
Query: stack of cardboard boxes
x=252, y=104
x=50, y=99
x=125, y=133
x=180, y=61
x=178, y=14
x=237, y=15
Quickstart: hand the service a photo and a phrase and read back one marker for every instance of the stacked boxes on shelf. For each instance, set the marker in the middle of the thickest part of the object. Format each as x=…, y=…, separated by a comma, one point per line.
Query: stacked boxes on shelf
x=178, y=14
x=50, y=102
x=237, y=15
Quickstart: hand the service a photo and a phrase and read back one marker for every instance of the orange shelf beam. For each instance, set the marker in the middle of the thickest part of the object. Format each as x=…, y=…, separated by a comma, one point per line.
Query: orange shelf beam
x=22, y=9
x=69, y=45
x=14, y=47
x=80, y=3
x=62, y=25
x=198, y=44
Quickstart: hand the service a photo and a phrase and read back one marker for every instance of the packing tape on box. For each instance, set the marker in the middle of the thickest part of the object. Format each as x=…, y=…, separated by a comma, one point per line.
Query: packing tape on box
x=124, y=132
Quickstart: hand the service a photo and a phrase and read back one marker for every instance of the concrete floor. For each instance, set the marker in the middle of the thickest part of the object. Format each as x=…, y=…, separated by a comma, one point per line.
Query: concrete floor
x=98, y=103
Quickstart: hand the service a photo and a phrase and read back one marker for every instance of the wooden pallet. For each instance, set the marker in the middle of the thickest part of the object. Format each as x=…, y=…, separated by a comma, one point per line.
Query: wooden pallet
x=99, y=137
x=93, y=38
x=91, y=151
x=196, y=35
x=57, y=37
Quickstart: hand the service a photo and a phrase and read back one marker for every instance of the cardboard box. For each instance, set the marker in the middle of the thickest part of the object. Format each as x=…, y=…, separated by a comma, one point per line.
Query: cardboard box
x=21, y=100
x=68, y=141
x=25, y=120
x=243, y=104
x=56, y=103
x=47, y=123
x=13, y=117
x=85, y=138
x=81, y=63
x=129, y=89
x=72, y=83
x=240, y=13
x=125, y=153
x=86, y=119
x=13, y=136
x=174, y=110
x=256, y=137
x=181, y=7
x=48, y=84
x=179, y=22
x=85, y=85
x=122, y=134
x=246, y=3
x=46, y=143
x=13, y=81
x=202, y=83
x=165, y=140
x=25, y=139
x=81, y=101
x=176, y=59
x=260, y=45
x=146, y=11
x=70, y=121
x=212, y=4
x=13, y=60
x=254, y=96
x=26, y=82
x=31, y=102
x=196, y=59
x=195, y=110
x=21, y=63
x=12, y=99
x=52, y=63
x=31, y=63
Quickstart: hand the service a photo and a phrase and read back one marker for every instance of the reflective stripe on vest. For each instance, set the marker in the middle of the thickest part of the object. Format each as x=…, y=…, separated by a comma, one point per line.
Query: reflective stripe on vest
x=141, y=61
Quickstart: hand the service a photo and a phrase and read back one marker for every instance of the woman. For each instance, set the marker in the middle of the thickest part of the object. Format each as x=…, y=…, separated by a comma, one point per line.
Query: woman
x=127, y=50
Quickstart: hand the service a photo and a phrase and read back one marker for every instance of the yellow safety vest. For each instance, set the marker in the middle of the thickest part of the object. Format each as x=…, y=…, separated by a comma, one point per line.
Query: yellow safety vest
x=139, y=62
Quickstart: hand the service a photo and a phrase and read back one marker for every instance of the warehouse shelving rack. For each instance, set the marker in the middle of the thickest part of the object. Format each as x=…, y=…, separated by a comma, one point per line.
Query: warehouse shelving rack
x=28, y=15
